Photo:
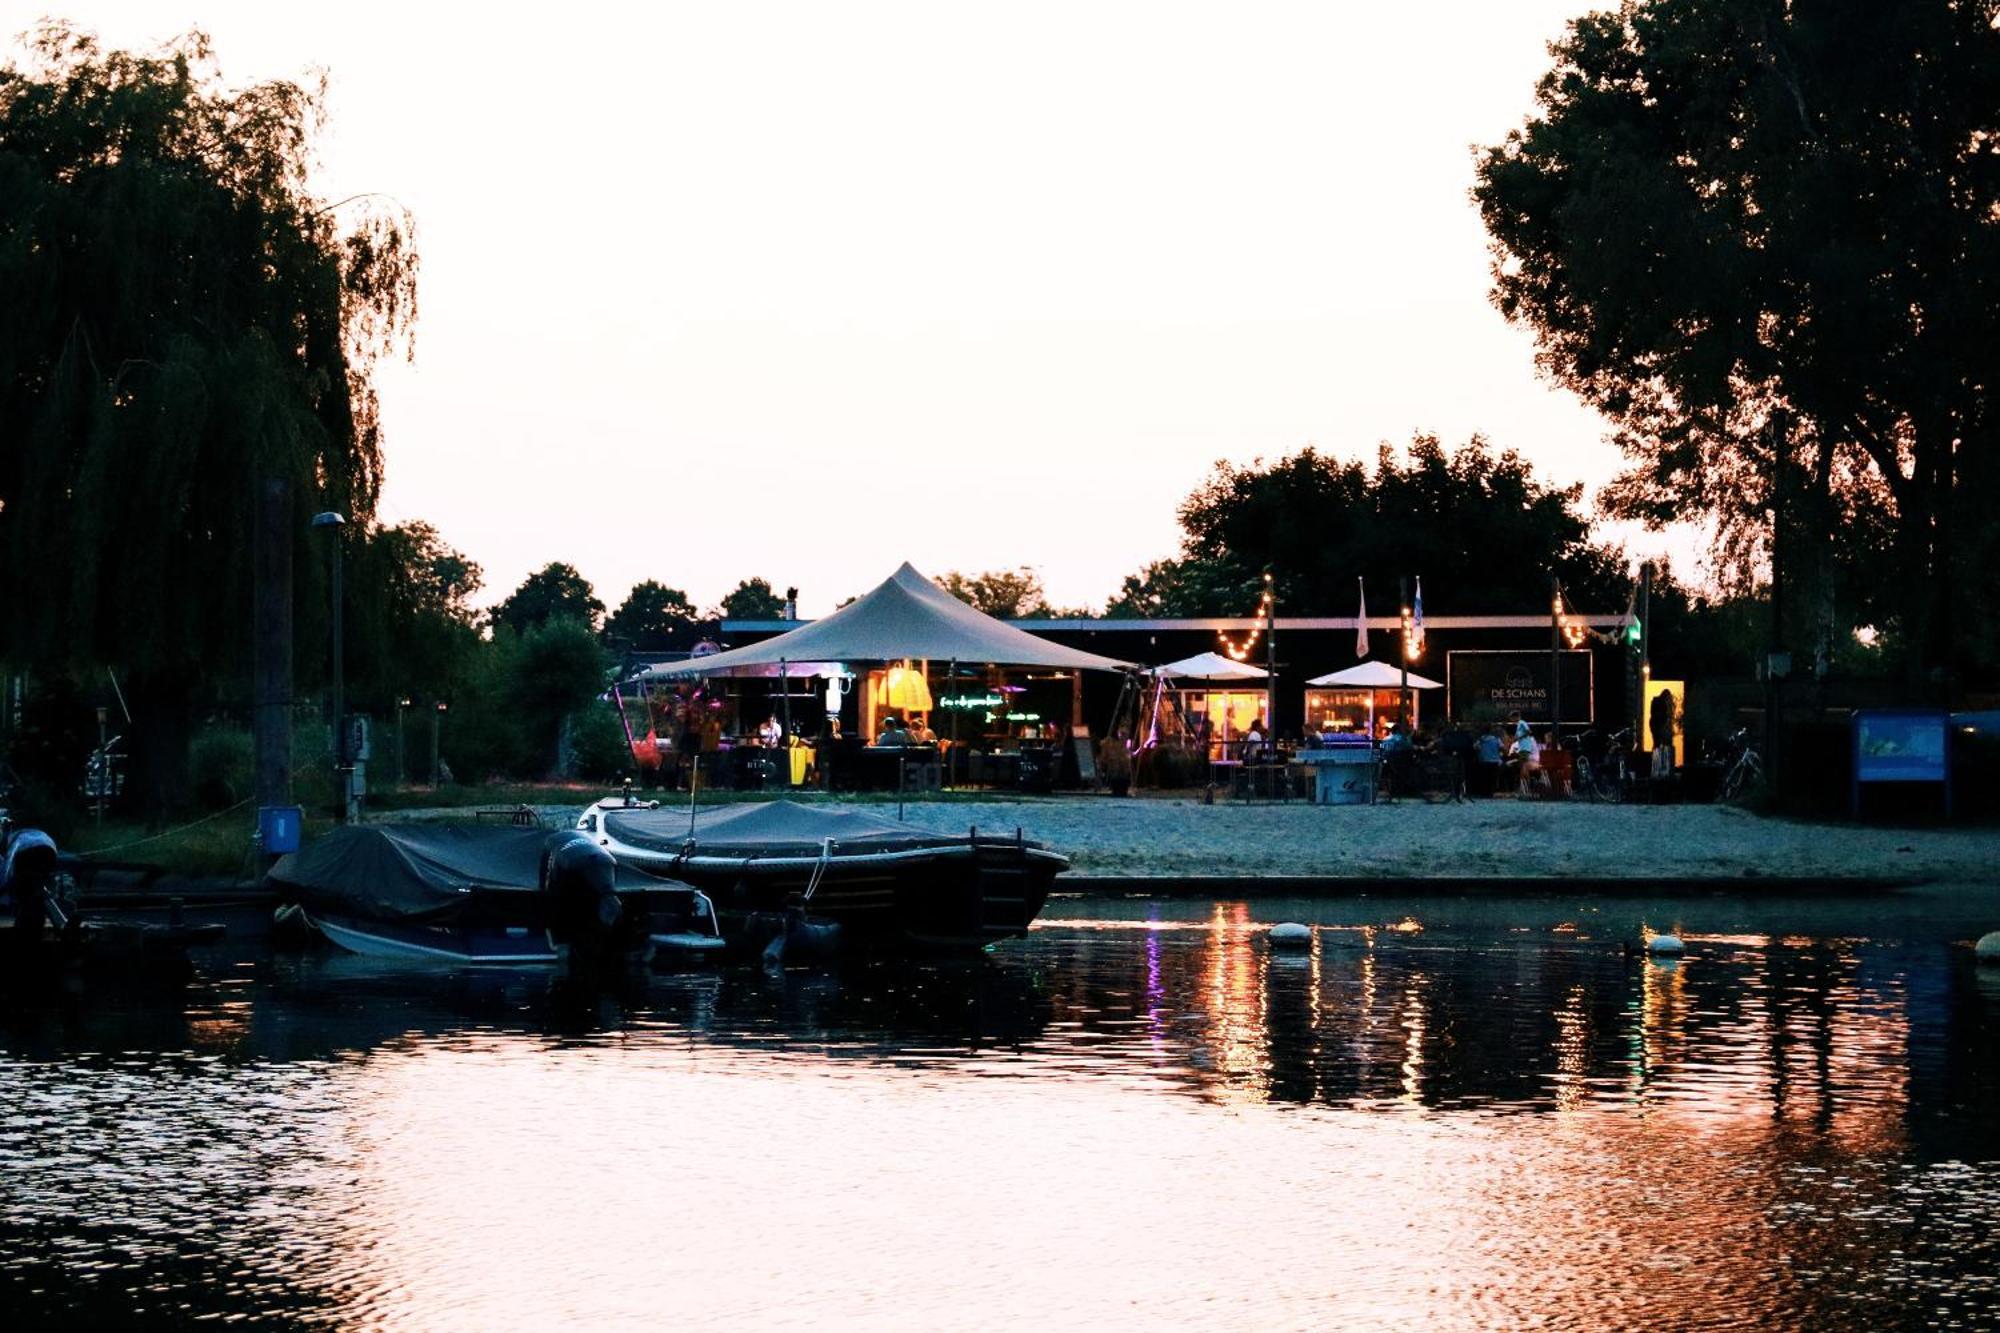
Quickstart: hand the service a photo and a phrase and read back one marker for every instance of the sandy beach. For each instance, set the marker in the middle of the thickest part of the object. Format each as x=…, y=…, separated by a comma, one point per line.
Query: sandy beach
x=1153, y=836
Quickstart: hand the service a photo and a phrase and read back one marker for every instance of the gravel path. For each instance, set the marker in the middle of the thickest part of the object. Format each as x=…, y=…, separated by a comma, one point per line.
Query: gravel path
x=1104, y=836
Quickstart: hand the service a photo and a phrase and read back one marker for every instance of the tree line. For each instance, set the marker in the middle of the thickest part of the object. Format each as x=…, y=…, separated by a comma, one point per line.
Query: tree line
x=1759, y=239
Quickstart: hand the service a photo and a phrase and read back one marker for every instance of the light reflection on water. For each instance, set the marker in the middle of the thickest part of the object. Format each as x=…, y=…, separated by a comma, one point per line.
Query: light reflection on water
x=1436, y=1116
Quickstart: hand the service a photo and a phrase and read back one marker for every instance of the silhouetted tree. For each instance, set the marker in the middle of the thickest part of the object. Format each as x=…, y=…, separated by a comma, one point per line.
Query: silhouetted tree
x=181, y=315
x=651, y=615
x=1764, y=240
x=1482, y=532
x=753, y=599
x=555, y=591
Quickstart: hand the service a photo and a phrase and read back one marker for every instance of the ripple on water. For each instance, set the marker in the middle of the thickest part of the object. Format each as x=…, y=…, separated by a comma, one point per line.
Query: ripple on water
x=1112, y=1122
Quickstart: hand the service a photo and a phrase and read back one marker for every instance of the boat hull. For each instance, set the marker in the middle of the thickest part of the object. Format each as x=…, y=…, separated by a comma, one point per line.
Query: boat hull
x=954, y=898
x=499, y=946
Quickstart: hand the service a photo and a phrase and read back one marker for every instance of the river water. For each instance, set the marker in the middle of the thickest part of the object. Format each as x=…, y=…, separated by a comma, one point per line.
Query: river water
x=1445, y=1114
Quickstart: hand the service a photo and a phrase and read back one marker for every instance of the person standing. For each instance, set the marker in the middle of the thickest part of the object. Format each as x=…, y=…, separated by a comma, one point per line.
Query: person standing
x=1661, y=720
x=1528, y=755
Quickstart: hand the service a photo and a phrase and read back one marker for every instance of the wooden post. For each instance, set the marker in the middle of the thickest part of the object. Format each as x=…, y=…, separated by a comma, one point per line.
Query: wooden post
x=1555, y=659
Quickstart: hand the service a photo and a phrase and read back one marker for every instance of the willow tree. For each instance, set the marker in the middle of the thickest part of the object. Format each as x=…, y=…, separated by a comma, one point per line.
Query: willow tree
x=1764, y=238
x=183, y=314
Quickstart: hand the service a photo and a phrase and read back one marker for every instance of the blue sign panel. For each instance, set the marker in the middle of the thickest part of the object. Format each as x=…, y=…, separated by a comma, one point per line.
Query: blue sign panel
x=1901, y=746
x=278, y=828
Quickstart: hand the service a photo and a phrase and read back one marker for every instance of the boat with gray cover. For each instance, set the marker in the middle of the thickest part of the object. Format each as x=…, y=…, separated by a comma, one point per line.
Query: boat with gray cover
x=884, y=882
x=451, y=893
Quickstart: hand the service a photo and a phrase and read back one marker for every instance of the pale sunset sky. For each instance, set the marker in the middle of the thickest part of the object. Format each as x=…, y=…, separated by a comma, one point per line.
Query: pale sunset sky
x=805, y=290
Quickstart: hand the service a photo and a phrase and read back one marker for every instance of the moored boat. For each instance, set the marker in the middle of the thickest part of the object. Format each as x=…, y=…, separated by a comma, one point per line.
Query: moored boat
x=884, y=882
x=489, y=896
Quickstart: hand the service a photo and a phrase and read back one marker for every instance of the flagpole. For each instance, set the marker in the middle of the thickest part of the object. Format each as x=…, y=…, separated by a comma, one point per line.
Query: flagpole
x=1270, y=664
x=1403, y=693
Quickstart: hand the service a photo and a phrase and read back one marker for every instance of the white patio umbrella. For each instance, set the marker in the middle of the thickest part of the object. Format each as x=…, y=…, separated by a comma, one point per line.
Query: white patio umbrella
x=1373, y=676
x=1210, y=666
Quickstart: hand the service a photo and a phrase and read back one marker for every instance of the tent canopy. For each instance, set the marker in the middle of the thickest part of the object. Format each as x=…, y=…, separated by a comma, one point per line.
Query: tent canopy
x=1373, y=675
x=1210, y=666
x=906, y=616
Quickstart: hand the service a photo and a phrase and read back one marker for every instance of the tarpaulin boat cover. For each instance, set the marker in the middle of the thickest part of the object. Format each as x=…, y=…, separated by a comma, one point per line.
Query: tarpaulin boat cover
x=386, y=872
x=769, y=828
x=905, y=617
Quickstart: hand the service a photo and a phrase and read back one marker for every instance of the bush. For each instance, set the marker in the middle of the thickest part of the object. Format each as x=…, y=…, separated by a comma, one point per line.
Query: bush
x=598, y=752
x=221, y=765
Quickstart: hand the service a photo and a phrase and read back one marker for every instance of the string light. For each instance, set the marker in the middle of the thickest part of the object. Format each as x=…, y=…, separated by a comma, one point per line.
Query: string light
x=1241, y=652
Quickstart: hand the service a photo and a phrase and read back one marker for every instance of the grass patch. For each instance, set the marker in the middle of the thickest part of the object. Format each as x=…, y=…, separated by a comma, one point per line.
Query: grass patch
x=215, y=848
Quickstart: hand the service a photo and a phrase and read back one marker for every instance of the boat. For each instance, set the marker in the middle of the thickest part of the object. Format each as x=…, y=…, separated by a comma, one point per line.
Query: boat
x=885, y=883
x=511, y=896
x=43, y=935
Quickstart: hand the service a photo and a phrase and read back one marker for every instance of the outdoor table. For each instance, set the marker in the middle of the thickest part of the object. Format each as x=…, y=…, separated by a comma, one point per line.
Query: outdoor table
x=1343, y=774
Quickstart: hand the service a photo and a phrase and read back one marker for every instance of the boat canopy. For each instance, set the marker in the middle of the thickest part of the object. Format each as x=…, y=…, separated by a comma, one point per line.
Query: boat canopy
x=389, y=872
x=906, y=617
x=766, y=828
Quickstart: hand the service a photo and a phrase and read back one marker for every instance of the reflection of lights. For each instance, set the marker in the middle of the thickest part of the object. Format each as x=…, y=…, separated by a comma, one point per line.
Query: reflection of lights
x=1409, y=925
x=1237, y=1018
x=1572, y=1079
x=1415, y=1024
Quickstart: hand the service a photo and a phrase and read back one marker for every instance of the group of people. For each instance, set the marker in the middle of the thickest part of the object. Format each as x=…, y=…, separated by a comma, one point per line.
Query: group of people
x=895, y=732
x=1486, y=755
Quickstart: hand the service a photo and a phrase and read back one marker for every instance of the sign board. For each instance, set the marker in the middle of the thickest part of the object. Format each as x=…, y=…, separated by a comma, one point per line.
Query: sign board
x=1501, y=684
x=1901, y=746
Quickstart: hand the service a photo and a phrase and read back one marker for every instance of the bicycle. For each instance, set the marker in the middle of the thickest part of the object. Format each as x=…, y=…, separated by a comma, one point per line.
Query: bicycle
x=1607, y=774
x=1427, y=774
x=1746, y=771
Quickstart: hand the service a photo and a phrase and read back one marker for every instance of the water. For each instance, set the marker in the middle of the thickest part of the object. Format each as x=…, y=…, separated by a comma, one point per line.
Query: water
x=1446, y=1114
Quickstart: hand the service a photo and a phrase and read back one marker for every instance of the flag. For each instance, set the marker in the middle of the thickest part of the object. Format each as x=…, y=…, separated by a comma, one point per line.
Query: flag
x=1361, y=622
x=1417, y=622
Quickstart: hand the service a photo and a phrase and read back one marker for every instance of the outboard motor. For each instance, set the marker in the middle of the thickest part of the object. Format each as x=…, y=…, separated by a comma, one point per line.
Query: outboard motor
x=580, y=882
x=27, y=875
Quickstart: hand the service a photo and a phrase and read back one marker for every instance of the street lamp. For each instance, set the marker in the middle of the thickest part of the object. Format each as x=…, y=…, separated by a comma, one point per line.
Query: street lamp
x=333, y=523
x=401, y=775
x=437, y=721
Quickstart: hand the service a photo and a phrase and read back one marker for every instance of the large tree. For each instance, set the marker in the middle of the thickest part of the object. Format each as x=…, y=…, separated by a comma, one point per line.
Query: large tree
x=556, y=591
x=1480, y=529
x=182, y=314
x=413, y=629
x=752, y=599
x=1764, y=239
x=651, y=617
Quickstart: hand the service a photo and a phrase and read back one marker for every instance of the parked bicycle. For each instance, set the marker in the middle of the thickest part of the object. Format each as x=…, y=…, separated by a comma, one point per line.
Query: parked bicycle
x=1606, y=767
x=1745, y=773
x=1429, y=774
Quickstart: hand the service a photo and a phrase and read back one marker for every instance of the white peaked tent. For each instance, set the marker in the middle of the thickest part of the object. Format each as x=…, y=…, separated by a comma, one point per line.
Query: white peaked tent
x=1373, y=676
x=905, y=617
x=1210, y=666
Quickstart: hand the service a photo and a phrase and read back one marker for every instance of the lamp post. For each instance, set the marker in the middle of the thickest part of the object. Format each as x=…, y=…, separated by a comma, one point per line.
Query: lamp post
x=437, y=723
x=402, y=776
x=333, y=523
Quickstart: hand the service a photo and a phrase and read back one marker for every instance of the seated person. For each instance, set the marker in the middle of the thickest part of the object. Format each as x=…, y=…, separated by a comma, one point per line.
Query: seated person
x=1397, y=741
x=920, y=733
x=770, y=732
x=1486, y=754
x=892, y=731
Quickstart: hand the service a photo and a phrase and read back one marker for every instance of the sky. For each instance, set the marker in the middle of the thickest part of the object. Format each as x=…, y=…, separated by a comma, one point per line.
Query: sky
x=801, y=291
